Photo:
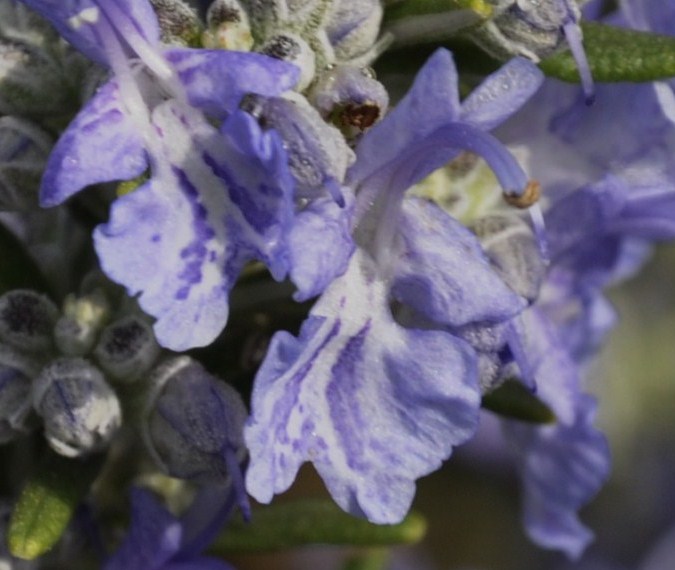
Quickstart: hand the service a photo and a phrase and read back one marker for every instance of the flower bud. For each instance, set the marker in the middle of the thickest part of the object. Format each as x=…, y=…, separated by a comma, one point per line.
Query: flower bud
x=350, y=98
x=292, y=48
x=127, y=349
x=81, y=413
x=27, y=320
x=178, y=22
x=227, y=27
x=318, y=154
x=23, y=153
x=16, y=373
x=76, y=331
x=513, y=251
x=353, y=27
x=193, y=423
x=530, y=28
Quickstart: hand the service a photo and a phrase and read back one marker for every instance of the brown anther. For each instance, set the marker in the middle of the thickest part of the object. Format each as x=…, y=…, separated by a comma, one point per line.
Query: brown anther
x=360, y=116
x=529, y=197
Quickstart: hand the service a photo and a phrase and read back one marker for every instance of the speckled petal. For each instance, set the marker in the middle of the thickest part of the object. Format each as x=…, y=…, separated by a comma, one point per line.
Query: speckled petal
x=372, y=405
x=181, y=239
x=100, y=145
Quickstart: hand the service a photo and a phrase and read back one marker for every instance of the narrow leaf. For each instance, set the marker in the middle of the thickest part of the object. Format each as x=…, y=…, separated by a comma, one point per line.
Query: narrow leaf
x=47, y=503
x=515, y=401
x=617, y=54
x=408, y=8
x=289, y=525
x=424, y=21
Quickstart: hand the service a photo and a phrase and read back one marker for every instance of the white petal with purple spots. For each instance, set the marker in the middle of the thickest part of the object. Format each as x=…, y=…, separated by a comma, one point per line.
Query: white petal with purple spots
x=372, y=405
x=181, y=239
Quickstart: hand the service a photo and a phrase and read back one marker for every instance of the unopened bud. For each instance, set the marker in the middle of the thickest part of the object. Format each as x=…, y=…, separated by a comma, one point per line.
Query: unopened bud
x=353, y=27
x=27, y=320
x=350, y=98
x=531, y=28
x=127, y=349
x=513, y=251
x=227, y=27
x=16, y=373
x=76, y=331
x=193, y=423
x=317, y=152
x=178, y=22
x=81, y=413
x=292, y=48
x=24, y=149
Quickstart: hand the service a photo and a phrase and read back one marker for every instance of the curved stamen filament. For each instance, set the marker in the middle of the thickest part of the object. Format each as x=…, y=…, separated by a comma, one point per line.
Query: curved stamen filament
x=382, y=195
x=128, y=32
x=572, y=33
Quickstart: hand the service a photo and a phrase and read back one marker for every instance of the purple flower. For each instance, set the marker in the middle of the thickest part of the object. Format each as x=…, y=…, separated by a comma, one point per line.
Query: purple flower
x=598, y=234
x=216, y=197
x=374, y=404
x=563, y=465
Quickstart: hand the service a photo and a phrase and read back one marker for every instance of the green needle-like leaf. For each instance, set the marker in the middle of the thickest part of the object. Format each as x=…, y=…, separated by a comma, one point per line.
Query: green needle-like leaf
x=617, y=54
x=47, y=504
x=409, y=8
x=424, y=21
x=515, y=401
x=300, y=523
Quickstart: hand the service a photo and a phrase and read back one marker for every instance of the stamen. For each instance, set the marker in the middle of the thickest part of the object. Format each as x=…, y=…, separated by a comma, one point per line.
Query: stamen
x=537, y=218
x=572, y=32
x=148, y=54
x=528, y=198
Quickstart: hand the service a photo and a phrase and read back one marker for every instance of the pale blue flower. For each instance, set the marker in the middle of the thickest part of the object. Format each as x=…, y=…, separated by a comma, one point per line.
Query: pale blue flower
x=373, y=404
x=216, y=198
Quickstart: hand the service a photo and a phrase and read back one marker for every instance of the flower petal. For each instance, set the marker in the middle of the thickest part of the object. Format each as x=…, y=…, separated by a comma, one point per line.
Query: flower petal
x=373, y=405
x=81, y=21
x=320, y=246
x=432, y=102
x=216, y=80
x=564, y=465
x=501, y=94
x=182, y=238
x=443, y=272
x=153, y=537
x=100, y=145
